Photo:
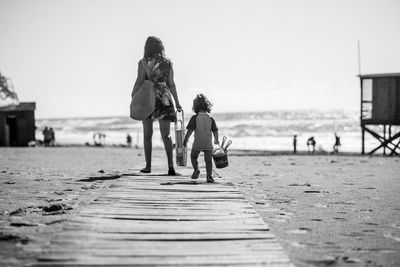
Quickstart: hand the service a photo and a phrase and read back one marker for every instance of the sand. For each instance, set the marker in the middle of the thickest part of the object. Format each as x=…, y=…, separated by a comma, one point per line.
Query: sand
x=325, y=210
x=342, y=210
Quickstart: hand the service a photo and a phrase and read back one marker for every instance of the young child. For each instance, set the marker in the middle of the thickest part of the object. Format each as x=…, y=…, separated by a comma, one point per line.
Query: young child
x=203, y=126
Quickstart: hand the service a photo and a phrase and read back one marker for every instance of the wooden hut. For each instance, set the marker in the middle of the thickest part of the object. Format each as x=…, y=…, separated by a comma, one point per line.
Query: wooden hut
x=17, y=124
x=380, y=106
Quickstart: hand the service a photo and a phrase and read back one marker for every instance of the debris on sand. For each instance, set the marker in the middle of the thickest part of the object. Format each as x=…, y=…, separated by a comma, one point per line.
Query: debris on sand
x=312, y=191
x=12, y=237
x=17, y=211
x=23, y=223
x=101, y=178
x=56, y=207
x=300, y=184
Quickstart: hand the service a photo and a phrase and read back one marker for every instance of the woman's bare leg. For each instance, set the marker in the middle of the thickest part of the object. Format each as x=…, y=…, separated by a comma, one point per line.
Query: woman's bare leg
x=147, y=142
x=166, y=137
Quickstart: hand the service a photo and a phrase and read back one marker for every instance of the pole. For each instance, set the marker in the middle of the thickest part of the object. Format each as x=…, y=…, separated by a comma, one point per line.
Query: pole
x=363, y=140
x=359, y=57
x=384, y=138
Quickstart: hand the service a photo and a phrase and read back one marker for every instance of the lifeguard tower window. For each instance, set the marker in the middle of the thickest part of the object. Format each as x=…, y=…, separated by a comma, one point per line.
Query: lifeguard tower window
x=366, y=99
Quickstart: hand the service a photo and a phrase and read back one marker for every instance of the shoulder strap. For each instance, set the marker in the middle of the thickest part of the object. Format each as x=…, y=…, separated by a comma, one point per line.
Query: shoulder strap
x=144, y=65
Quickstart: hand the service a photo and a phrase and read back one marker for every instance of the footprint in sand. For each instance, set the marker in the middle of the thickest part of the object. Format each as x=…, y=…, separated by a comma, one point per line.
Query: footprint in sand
x=368, y=231
x=301, y=230
x=348, y=184
x=371, y=223
x=348, y=259
x=300, y=184
x=340, y=219
x=366, y=210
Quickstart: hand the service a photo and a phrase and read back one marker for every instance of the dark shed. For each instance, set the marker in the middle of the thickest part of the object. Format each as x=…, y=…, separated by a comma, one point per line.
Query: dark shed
x=17, y=124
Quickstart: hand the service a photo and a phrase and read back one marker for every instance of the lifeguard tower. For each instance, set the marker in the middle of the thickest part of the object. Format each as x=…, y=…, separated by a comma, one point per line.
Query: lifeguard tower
x=380, y=111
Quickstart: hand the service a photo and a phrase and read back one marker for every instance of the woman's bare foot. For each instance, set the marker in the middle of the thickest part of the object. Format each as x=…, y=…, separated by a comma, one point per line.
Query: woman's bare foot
x=171, y=171
x=146, y=170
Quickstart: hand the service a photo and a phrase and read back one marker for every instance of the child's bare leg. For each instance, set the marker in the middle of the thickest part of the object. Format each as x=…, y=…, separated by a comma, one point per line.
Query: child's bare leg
x=194, y=155
x=208, y=160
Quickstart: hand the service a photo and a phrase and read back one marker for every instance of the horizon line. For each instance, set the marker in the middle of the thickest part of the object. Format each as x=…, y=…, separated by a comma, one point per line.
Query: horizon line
x=219, y=112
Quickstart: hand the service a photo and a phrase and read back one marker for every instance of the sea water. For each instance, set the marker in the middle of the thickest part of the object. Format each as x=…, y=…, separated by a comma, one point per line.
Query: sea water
x=269, y=130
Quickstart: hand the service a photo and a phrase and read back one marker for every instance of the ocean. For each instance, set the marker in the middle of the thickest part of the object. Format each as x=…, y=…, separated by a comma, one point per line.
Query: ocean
x=269, y=130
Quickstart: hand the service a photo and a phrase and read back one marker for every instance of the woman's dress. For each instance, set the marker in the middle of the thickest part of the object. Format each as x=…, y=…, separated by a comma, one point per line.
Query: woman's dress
x=158, y=70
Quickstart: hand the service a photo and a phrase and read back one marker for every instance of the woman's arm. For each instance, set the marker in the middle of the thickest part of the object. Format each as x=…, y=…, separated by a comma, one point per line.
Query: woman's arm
x=172, y=87
x=140, y=78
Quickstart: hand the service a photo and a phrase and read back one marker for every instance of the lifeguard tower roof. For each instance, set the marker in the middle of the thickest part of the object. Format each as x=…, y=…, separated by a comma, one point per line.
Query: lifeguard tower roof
x=380, y=75
x=23, y=106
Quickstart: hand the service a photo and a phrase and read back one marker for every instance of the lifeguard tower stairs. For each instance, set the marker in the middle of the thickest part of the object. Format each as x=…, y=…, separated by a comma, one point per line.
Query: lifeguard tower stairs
x=380, y=111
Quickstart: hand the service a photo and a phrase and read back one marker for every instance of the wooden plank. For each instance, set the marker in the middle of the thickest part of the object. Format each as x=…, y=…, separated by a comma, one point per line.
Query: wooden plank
x=164, y=221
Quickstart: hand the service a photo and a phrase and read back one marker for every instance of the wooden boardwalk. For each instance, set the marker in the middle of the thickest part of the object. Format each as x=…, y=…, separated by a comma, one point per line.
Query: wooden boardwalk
x=165, y=221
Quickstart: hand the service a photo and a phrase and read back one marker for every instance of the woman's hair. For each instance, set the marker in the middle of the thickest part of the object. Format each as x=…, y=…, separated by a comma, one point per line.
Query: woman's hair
x=153, y=47
x=201, y=104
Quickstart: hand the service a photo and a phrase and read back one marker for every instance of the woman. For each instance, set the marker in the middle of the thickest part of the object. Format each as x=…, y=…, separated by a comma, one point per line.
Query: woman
x=156, y=67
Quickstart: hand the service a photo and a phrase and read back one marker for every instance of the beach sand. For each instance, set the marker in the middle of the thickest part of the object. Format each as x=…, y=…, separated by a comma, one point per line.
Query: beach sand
x=325, y=210
x=340, y=210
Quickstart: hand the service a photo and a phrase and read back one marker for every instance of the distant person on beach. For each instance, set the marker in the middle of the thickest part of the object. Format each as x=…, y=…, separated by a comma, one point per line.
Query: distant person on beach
x=311, y=142
x=156, y=67
x=46, y=136
x=129, y=140
x=100, y=136
x=337, y=144
x=52, y=137
x=203, y=126
x=295, y=144
x=104, y=139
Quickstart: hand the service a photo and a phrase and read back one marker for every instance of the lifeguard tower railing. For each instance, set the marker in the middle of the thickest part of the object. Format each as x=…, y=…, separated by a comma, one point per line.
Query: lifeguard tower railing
x=380, y=111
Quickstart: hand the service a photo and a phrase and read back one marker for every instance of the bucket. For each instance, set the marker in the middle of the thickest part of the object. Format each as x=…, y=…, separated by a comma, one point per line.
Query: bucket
x=221, y=161
x=220, y=158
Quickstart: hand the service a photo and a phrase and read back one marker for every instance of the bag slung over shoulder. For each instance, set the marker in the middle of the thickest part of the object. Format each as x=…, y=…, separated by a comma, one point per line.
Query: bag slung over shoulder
x=144, y=100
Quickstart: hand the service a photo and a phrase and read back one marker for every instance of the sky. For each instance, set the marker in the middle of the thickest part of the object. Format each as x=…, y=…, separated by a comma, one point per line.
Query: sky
x=78, y=58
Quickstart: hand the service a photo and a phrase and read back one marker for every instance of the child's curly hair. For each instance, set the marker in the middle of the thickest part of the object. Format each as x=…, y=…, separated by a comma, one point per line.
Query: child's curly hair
x=201, y=104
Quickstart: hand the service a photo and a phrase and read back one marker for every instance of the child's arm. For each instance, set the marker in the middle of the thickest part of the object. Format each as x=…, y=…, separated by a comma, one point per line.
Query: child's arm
x=190, y=128
x=187, y=136
x=214, y=130
x=216, y=137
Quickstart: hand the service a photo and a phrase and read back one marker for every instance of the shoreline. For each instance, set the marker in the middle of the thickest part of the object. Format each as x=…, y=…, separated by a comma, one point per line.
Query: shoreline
x=232, y=152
